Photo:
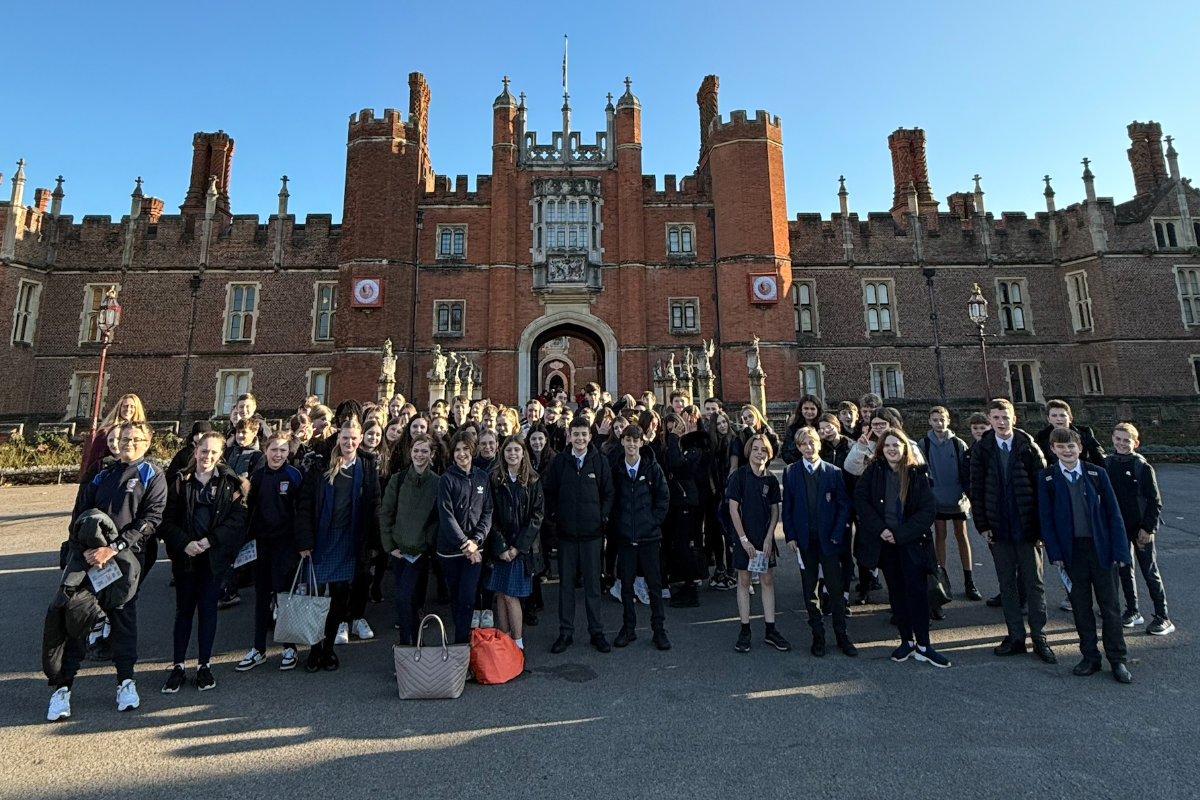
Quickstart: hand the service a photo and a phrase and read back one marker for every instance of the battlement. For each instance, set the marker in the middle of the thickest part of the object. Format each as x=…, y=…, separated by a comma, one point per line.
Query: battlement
x=738, y=126
x=673, y=191
x=365, y=124
x=443, y=190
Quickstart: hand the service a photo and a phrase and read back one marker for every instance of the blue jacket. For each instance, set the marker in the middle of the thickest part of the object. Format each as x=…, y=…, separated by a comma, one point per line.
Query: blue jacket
x=833, y=507
x=1058, y=527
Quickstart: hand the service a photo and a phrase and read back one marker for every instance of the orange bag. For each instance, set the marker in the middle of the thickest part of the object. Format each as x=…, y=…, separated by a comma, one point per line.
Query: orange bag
x=495, y=657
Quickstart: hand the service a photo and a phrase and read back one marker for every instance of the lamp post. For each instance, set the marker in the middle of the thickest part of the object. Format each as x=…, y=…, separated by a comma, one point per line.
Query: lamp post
x=108, y=317
x=194, y=284
x=977, y=311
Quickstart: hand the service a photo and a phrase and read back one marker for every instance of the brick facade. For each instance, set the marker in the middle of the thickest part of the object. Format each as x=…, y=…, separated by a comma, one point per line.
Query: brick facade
x=618, y=299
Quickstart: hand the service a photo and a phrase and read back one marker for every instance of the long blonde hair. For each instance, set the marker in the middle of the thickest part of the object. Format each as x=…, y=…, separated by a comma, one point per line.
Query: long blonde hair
x=139, y=411
x=336, y=461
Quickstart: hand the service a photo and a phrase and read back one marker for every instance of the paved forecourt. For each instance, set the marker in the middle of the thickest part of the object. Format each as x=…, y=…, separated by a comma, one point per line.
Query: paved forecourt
x=697, y=720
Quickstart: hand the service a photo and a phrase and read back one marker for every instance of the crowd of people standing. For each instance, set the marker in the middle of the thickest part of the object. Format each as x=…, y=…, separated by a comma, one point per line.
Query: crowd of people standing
x=482, y=505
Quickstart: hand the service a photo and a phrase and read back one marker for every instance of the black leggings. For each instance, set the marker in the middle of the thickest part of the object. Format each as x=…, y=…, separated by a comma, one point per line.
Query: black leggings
x=908, y=590
x=196, y=593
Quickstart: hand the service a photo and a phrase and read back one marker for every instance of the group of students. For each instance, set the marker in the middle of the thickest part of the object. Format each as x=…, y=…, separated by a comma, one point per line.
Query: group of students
x=477, y=498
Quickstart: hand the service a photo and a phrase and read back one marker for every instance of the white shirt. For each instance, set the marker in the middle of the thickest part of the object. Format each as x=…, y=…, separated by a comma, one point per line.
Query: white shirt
x=1071, y=474
x=634, y=466
x=1004, y=443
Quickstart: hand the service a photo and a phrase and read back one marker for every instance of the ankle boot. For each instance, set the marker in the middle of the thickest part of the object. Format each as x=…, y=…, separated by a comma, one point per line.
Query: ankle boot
x=969, y=589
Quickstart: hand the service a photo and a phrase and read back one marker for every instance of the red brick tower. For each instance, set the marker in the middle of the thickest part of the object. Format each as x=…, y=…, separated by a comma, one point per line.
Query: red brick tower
x=387, y=163
x=744, y=159
x=500, y=369
x=1146, y=156
x=212, y=154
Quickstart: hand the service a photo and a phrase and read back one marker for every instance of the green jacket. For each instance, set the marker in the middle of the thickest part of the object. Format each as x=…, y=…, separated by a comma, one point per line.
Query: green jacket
x=408, y=517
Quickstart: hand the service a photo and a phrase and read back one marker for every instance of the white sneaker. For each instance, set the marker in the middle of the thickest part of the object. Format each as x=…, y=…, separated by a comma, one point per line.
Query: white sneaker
x=487, y=620
x=60, y=705
x=251, y=660
x=362, y=630
x=475, y=619
x=615, y=590
x=640, y=592
x=343, y=634
x=289, y=659
x=127, y=696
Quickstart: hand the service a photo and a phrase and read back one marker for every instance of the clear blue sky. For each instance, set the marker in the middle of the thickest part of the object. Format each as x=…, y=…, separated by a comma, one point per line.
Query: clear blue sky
x=105, y=92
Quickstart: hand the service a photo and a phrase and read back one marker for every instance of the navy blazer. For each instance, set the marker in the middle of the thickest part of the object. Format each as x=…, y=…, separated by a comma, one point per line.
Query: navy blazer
x=833, y=507
x=1058, y=526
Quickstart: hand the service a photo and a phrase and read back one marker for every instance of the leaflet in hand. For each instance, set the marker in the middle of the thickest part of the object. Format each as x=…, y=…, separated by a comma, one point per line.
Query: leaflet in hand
x=248, y=553
x=103, y=576
x=759, y=563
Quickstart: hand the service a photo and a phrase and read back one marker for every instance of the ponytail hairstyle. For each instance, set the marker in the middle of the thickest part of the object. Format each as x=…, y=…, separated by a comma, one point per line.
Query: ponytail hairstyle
x=336, y=461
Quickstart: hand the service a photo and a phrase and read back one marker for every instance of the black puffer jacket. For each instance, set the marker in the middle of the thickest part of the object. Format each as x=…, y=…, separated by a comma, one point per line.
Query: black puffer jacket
x=1136, y=487
x=579, y=500
x=986, y=494
x=920, y=510
x=640, y=504
x=1090, y=449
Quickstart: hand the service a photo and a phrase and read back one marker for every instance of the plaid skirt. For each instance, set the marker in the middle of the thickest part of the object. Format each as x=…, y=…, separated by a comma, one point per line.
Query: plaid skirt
x=510, y=578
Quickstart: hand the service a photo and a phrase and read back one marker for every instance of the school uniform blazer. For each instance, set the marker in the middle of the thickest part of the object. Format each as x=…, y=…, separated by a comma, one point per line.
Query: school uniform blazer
x=1058, y=526
x=833, y=507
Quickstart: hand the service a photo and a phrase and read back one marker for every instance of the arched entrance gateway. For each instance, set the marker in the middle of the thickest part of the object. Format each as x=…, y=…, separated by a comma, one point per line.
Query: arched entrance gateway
x=567, y=349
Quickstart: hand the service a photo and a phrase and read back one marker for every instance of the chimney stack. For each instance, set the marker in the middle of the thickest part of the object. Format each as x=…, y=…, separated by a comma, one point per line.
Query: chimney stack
x=910, y=169
x=1146, y=156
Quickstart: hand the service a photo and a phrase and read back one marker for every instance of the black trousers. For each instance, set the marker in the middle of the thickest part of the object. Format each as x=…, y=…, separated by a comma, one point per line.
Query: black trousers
x=908, y=591
x=196, y=594
x=274, y=570
x=410, y=576
x=122, y=639
x=831, y=565
x=1088, y=578
x=339, y=604
x=1019, y=565
x=1147, y=561
x=631, y=557
x=683, y=539
x=580, y=560
x=715, y=546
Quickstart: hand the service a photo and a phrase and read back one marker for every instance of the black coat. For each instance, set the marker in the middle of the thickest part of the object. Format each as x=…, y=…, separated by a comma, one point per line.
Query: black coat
x=920, y=510
x=579, y=500
x=640, y=505
x=1136, y=487
x=311, y=501
x=987, y=507
x=519, y=508
x=685, y=467
x=1090, y=450
x=227, y=531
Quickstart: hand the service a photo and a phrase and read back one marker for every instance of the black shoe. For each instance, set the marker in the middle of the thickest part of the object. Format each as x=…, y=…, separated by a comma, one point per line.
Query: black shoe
x=376, y=594
x=1121, y=674
x=176, y=678
x=776, y=640
x=971, y=592
x=876, y=586
x=229, y=600
x=600, y=643
x=818, y=646
x=742, y=645
x=862, y=597
x=936, y=613
x=313, y=662
x=995, y=602
x=1087, y=667
x=1042, y=648
x=561, y=644
x=661, y=641
x=685, y=597
x=531, y=619
x=846, y=646
x=205, y=679
x=1008, y=647
x=624, y=637
x=329, y=661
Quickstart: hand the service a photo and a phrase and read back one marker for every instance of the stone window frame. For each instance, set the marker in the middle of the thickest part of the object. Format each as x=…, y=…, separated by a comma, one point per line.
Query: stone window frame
x=798, y=308
x=226, y=329
x=310, y=378
x=879, y=379
x=683, y=304
x=25, y=312
x=456, y=233
x=75, y=393
x=220, y=411
x=884, y=309
x=1092, y=378
x=1031, y=393
x=680, y=231
x=817, y=369
x=1080, y=298
x=1168, y=232
x=93, y=295
x=561, y=191
x=1008, y=309
x=449, y=332
x=318, y=312
x=1187, y=276
x=1194, y=360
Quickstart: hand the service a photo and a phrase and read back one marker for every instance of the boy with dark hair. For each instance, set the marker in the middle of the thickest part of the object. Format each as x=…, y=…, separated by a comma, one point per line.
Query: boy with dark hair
x=640, y=504
x=1136, y=487
x=579, y=498
x=1085, y=535
x=1058, y=415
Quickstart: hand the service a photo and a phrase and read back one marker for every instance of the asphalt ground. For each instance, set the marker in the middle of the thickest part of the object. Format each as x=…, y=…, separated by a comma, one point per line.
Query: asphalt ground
x=697, y=721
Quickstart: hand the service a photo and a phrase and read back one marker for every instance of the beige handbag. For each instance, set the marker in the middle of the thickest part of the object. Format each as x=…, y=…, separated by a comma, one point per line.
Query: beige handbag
x=431, y=673
x=301, y=618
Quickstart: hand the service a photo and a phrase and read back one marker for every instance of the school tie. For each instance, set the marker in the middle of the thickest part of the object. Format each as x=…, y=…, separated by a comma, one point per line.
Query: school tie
x=579, y=462
x=1073, y=476
x=632, y=474
x=810, y=468
x=1004, y=446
